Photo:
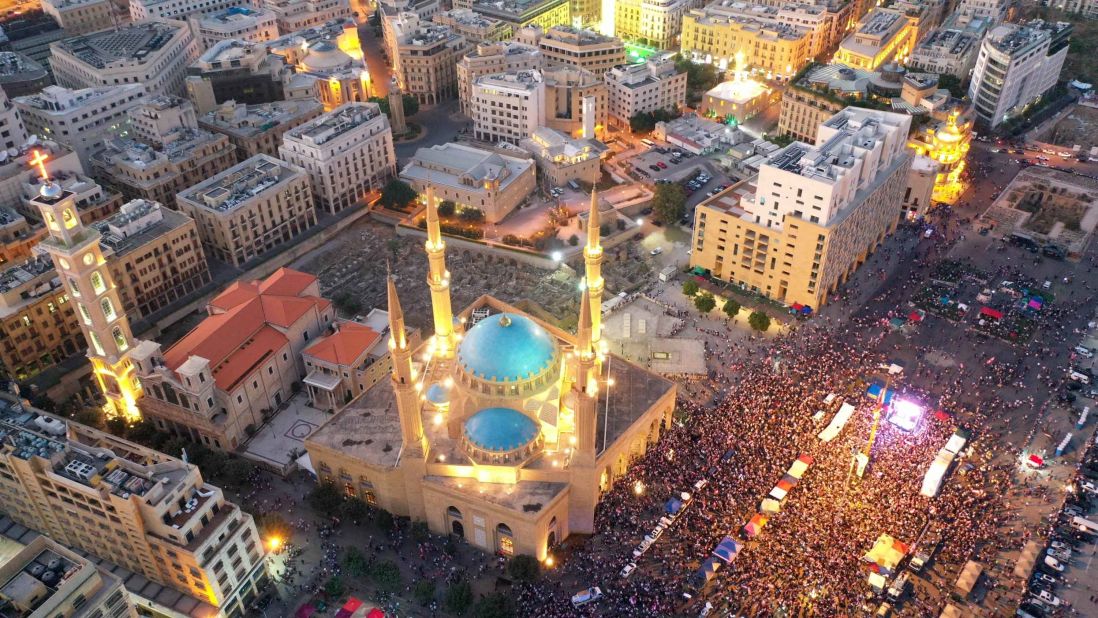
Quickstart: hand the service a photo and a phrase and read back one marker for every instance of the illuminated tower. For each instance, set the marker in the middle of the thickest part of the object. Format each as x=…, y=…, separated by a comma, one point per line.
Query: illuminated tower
x=585, y=397
x=592, y=261
x=403, y=377
x=948, y=144
x=80, y=264
x=438, y=278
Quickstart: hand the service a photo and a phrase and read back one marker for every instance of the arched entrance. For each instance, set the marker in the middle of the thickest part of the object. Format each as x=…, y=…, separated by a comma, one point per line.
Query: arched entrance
x=551, y=540
x=457, y=528
x=505, y=540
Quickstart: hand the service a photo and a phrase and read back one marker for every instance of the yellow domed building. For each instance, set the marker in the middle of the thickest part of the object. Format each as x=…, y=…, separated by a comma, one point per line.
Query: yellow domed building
x=500, y=429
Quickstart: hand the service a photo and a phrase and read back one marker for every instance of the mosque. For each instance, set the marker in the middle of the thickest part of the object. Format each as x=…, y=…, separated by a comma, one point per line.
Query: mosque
x=500, y=429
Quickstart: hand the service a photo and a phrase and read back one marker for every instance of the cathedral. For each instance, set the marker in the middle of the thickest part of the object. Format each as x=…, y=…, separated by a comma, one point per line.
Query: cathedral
x=500, y=429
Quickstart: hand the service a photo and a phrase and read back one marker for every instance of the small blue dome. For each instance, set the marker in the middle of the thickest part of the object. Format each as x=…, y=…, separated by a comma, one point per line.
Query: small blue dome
x=438, y=394
x=500, y=429
x=506, y=347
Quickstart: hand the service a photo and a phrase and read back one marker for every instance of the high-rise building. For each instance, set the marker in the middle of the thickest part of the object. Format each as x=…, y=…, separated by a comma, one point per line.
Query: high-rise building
x=251, y=208
x=153, y=53
x=994, y=11
x=142, y=510
x=13, y=133
x=490, y=58
x=507, y=107
x=238, y=71
x=30, y=33
x=584, y=49
x=951, y=49
x=240, y=363
x=80, y=119
x=425, y=60
x=20, y=75
x=576, y=100
x=81, y=16
x=646, y=87
x=884, y=35
x=472, y=177
x=814, y=213
x=258, y=129
x=1016, y=65
x=348, y=153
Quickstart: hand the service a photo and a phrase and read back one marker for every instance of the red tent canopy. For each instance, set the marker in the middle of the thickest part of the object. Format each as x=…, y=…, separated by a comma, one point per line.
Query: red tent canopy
x=914, y=316
x=796, y=306
x=991, y=313
x=807, y=459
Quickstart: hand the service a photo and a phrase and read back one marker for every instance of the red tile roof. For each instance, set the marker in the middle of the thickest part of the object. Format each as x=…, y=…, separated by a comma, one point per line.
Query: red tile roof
x=239, y=334
x=345, y=346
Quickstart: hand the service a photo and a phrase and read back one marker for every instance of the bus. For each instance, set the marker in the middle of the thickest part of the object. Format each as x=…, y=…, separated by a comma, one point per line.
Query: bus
x=649, y=143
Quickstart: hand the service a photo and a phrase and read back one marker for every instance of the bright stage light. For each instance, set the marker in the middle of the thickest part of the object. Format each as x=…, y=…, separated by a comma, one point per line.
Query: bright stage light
x=906, y=414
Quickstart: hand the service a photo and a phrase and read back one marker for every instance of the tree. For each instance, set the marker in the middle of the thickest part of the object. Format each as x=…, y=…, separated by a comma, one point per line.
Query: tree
x=410, y=104
x=346, y=302
x=424, y=592
x=446, y=208
x=705, y=302
x=689, y=287
x=524, y=568
x=92, y=417
x=325, y=499
x=355, y=562
x=384, y=520
x=731, y=308
x=641, y=122
x=495, y=605
x=397, y=194
x=669, y=203
x=459, y=597
x=780, y=140
x=334, y=587
x=420, y=533
x=272, y=526
x=386, y=576
x=759, y=321
x=117, y=426
x=698, y=76
x=953, y=84
x=236, y=471
x=471, y=214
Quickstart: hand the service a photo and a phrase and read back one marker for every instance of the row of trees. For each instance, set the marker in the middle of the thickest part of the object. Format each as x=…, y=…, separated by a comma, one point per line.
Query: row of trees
x=643, y=122
x=706, y=302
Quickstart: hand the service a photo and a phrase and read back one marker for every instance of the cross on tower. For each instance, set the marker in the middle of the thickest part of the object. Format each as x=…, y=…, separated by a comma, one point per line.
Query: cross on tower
x=39, y=160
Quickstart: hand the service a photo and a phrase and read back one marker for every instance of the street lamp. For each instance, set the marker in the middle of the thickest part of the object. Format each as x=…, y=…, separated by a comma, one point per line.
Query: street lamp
x=557, y=256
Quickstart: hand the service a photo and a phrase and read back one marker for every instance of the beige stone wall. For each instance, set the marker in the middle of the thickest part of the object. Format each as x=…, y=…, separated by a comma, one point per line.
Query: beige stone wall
x=802, y=113
x=161, y=271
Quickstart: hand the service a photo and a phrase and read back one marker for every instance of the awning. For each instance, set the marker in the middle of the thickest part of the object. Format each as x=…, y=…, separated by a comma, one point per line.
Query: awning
x=709, y=568
x=727, y=549
x=770, y=506
x=1025, y=563
x=991, y=313
x=798, y=469
x=755, y=526
x=967, y=581
x=788, y=482
x=915, y=317
x=886, y=553
x=778, y=493
x=1036, y=460
x=321, y=380
x=796, y=306
x=1034, y=303
x=874, y=391
x=951, y=611
x=348, y=608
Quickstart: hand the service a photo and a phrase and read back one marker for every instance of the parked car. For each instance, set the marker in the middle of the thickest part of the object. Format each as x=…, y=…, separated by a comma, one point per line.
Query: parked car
x=628, y=569
x=1048, y=598
x=654, y=167
x=661, y=165
x=1084, y=351
x=656, y=251
x=583, y=597
x=1054, y=564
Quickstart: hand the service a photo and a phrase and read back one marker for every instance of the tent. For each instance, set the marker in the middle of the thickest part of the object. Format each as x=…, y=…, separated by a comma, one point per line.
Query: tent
x=1025, y=563
x=969, y=575
x=886, y=553
x=875, y=389
x=709, y=569
x=755, y=526
x=1035, y=461
x=951, y=611
x=673, y=506
x=727, y=549
x=914, y=316
x=796, y=307
x=778, y=493
x=770, y=505
x=799, y=467
x=991, y=313
x=841, y=418
x=1033, y=304
x=349, y=608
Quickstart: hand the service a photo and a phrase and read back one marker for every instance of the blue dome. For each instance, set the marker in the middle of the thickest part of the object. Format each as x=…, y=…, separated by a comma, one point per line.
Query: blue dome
x=506, y=347
x=500, y=429
x=438, y=394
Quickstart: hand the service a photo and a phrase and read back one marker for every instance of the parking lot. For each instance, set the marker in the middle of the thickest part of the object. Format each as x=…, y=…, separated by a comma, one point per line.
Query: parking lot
x=661, y=164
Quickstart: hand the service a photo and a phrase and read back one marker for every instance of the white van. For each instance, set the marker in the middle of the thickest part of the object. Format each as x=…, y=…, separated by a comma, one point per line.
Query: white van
x=1079, y=377
x=583, y=597
x=649, y=143
x=898, y=588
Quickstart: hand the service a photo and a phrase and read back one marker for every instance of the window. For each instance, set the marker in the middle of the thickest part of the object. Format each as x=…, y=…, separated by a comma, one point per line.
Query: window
x=96, y=343
x=97, y=283
x=108, y=309
x=119, y=339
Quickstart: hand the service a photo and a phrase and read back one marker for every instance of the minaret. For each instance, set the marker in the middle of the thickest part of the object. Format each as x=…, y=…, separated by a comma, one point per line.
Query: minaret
x=79, y=261
x=585, y=398
x=438, y=278
x=592, y=261
x=407, y=398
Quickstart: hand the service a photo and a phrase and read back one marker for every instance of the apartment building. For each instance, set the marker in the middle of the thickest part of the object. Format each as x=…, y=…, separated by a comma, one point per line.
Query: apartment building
x=153, y=54
x=177, y=9
x=80, y=119
x=154, y=255
x=994, y=12
x=251, y=208
x=571, y=94
x=656, y=23
x=507, y=107
x=237, y=23
x=645, y=87
x=294, y=15
x=472, y=177
x=38, y=325
x=491, y=58
x=347, y=152
x=561, y=158
x=476, y=28
x=522, y=13
x=45, y=578
x=1016, y=65
x=426, y=59
x=950, y=49
x=145, y=511
x=813, y=214
x=81, y=16
x=238, y=71
x=20, y=75
x=258, y=129
x=719, y=32
x=223, y=379
x=881, y=36
x=584, y=49
x=818, y=95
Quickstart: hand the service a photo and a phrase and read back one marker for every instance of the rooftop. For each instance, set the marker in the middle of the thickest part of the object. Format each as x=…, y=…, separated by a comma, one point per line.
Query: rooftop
x=36, y=581
x=241, y=120
x=240, y=183
x=559, y=147
x=515, y=8
x=507, y=348
x=465, y=166
x=131, y=43
x=427, y=35
x=234, y=17
x=136, y=223
x=345, y=346
x=129, y=152
x=329, y=126
x=524, y=80
x=881, y=22
x=642, y=74
x=58, y=100
x=17, y=67
x=20, y=275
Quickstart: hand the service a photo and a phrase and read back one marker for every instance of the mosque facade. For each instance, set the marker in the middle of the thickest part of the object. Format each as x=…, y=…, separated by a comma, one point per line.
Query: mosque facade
x=501, y=429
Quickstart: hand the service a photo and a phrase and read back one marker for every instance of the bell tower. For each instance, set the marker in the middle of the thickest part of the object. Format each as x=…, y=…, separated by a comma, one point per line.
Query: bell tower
x=79, y=261
x=438, y=279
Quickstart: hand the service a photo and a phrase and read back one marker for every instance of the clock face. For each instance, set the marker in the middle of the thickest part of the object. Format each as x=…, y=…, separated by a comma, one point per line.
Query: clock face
x=89, y=259
x=65, y=264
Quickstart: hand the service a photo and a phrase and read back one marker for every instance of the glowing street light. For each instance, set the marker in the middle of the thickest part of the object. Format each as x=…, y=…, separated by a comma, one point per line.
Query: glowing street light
x=274, y=543
x=557, y=256
x=638, y=488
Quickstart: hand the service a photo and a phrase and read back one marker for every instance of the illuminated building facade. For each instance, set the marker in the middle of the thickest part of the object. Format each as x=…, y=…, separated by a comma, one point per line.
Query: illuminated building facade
x=79, y=260
x=946, y=142
x=507, y=440
x=561, y=158
x=882, y=36
x=765, y=37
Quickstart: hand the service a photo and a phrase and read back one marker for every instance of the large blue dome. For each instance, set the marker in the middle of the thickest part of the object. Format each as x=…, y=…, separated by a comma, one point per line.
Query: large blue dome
x=506, y=347
x=500, y=429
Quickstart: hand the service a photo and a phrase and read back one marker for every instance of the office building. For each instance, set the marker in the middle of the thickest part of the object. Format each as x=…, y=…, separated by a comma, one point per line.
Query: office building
x=766, y=42
x=561, y=158
x=492, y=58
x=294, y=15
x=250, y=209
x=238, y=23
x=348, y=153
x=153, y=54
x=472, y=177
x=144, y=511
x=80, y=119
x=258, y=129
x=78, y=17
x=46, y=578
x=474, y=27
x=950, y=49
x=584, y=49
x=236, y=71
x=813, y=214
x=1016, y=65
x=38, y=325
x=154, y=254
x=30, y=33
x=219, y=382
x=655, y=23
x=521, y=13
x=645, y=87
x=507, y=107
x=884, y=35
x=20, y=76
x=425, y=61
x=177, y=9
